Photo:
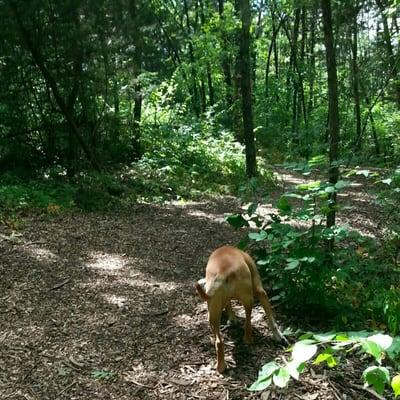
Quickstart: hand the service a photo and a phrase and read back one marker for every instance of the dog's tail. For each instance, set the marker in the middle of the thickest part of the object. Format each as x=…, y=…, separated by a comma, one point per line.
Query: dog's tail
x=200, y=290
x=207, y=293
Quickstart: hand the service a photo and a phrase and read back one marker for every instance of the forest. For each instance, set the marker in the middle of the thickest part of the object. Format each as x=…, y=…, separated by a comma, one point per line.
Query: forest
x=136, y=137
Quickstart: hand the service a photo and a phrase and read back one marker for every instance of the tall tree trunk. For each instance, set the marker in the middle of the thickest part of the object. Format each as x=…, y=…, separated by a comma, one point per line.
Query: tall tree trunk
x=195, y=100
x=247, y=112
x=392, y=61
x=333, y=126
x=294, y=79
x=355, y=74
x=312, y=73
x=226, y=65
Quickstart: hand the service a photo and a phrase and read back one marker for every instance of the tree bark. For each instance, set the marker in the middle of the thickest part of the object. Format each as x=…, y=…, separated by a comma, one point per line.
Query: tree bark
x=226, y=65
x=333, y=126
x=392, y=61
x=355, y=74
x=245, y=68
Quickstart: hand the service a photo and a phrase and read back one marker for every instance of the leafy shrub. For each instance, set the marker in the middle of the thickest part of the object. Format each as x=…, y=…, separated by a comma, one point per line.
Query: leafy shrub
x=330, y=349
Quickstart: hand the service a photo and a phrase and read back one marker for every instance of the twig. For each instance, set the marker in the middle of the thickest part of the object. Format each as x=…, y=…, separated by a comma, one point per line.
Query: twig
x=335, y=390
x=29, y=372
x=65, y=389
x=141, y=384
x=61, y=284
x=370, y=391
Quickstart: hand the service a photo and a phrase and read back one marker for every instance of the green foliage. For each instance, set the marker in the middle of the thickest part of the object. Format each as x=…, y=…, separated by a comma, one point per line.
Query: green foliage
x=102, y=375
x=332, y=348
x=345, y=286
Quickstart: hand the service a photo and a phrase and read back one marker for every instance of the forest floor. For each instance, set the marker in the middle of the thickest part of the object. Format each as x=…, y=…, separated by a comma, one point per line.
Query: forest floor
x=102, y=306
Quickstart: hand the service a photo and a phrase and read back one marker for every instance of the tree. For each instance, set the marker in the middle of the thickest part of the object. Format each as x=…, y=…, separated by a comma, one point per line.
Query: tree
x=245, y=79
x=333, y=107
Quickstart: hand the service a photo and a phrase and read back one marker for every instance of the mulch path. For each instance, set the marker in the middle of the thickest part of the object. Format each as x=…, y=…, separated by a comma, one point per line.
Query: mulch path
x=102, y=306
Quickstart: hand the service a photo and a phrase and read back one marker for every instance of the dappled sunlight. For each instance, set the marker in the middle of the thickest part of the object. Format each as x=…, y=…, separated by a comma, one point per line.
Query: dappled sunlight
x=40, y=253
x=119, y=301
x=106, y=262
x=210, y=216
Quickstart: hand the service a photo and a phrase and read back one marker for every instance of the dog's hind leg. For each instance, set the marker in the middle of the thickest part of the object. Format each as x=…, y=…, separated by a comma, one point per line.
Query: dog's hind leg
x=215, y=321
x=248, y=336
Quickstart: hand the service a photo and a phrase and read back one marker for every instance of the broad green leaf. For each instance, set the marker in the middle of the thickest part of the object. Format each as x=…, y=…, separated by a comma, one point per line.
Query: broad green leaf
x=281, y=379
x=295, y=369
x=251, y=209
x=329, y=189
x=260, y=384
x=327, y=357
x=396, y=386
x=387, y=181
x=303, y=351
x=364, y=172
x=341, y=184
x=236, y=220
x=268, y=369
x=372, y=348
x=284, y=205
x=376, y=377
x=384, y=341
x=394, y=350
x=324, y=337
x=258, y=236
x=292, y=264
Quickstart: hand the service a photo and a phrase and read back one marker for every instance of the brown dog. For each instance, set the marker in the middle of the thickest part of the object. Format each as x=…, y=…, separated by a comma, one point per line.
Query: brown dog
x=232, y=274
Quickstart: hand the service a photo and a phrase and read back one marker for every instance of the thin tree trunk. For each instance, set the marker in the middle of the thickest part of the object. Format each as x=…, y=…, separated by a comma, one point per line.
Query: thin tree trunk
x=247, y=112
x=226, y=65
x=355, y=74
x=333, y=126
x=195, y=100
x=392, y=62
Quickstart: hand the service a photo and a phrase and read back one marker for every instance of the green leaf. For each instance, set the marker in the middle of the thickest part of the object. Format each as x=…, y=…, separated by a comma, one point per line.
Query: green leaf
x=341, y=184
x=303, y=351
x=330, y=189
x=236, y=220
x=251, y=209
x=258, y=236
x=364, y=172
x=102, y=374
x=387, y=181
x=372, y=348
x=327, y=357
x=377, y=377
x=281, y=379
x=260, y=384
x=284, y=205
x=268, y=369
x=394, y=350
x=295, y=369
x=396, y=386
x=384, y=341
x=324, y=337
x=292, y=264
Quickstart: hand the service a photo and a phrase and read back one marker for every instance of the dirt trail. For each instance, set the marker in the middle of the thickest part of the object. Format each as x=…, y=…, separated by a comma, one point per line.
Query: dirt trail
x=102, y=306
